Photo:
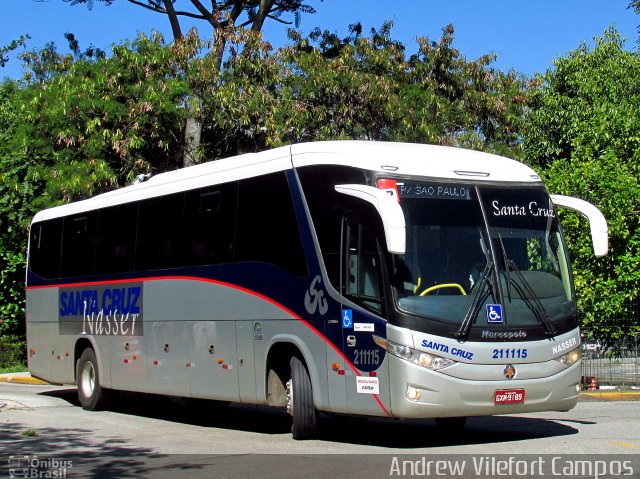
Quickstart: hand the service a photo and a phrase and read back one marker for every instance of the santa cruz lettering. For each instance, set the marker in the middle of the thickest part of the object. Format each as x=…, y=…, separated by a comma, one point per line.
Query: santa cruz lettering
x=102, y=310
x=532, y=209
x=443, y=348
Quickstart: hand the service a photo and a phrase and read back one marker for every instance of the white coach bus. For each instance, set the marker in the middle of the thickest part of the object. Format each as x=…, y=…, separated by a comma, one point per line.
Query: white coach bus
x=364, y=278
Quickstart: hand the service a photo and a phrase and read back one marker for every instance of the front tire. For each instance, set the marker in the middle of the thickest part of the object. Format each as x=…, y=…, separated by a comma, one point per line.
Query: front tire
x=90, y=393
x=300, y=402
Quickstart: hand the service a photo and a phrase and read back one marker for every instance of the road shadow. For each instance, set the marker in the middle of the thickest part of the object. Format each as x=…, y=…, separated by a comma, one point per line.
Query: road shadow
x=76, y=452
x=410, y=435
x=393, y=434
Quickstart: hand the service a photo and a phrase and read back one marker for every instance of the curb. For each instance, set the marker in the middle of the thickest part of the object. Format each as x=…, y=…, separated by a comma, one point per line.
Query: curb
x=20, y=378
x=610, y=396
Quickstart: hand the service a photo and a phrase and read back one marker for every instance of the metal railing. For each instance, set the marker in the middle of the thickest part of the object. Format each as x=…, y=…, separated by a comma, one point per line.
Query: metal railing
x=613, y=358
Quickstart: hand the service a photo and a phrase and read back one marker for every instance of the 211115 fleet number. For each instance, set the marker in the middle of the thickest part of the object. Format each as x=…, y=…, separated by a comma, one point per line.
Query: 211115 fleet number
x=366, y=357
x=507, y=353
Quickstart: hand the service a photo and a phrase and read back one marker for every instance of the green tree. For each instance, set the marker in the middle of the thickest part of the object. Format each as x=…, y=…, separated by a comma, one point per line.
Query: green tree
x=14, y=44
x=77, y=125
x=16, y=197
x=583, y=135
x=102, y=120
x=222, y=16
x=369, y=87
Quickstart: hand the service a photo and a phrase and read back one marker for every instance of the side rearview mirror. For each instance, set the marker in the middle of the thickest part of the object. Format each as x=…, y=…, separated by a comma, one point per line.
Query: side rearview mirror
x=389, y=210
x=597, y=221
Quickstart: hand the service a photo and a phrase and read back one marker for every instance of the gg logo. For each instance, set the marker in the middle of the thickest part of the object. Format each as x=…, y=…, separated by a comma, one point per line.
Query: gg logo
x=314, y=299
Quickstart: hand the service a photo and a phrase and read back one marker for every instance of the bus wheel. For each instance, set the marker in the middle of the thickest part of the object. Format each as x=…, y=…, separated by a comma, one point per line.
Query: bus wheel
x=90, y=394
x=300, y=402
x=451, y=423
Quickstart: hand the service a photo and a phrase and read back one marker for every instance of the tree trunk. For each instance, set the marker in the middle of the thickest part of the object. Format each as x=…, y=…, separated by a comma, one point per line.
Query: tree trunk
x=193, y=127
x=192, y=136
x=263, y=11
x=173, y=19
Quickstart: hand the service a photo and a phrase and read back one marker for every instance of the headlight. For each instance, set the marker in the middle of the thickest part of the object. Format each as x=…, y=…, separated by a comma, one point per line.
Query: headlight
x=570, y=358
x=414, y=356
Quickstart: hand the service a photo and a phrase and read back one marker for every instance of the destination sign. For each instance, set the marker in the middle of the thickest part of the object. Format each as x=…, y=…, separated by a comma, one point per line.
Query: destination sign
x=434, y=191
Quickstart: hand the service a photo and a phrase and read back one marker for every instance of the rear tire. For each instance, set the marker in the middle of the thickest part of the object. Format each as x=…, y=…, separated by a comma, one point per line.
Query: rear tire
x=90, y=394
x=300, y=402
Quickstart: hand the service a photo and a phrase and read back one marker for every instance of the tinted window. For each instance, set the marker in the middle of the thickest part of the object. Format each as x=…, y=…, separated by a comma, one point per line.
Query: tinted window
x=79, y=244
x=159, y=232
x=44, y=248
x=117, y=239
x=327, y=208
x=209, y=225
x=267, y=225
x=362, y=267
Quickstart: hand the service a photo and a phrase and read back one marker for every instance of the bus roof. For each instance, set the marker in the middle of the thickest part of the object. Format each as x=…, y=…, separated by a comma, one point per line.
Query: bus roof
x=412, y=159
x=396, y=159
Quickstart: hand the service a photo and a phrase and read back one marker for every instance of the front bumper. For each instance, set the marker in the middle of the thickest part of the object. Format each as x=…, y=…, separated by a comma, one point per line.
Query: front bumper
x=443, y=395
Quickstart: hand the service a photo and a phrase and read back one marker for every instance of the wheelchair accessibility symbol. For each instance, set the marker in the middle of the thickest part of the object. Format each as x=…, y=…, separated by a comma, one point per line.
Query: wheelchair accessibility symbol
x=347, y=318
x=494, y=313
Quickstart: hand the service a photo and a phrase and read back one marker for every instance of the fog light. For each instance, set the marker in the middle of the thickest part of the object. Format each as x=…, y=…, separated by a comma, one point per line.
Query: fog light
x=578, y=388
x=412, y=394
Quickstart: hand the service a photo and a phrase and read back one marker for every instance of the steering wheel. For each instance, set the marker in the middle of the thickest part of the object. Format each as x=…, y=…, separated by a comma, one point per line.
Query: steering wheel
x=444, y=285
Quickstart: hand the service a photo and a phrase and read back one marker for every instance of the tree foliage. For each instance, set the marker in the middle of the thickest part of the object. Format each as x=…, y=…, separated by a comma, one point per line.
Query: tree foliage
x=13, y=45
x=76, y=125
x=16, y=198
x=359, y=87
x=583, y=134
x=369, y=87
x=222, y=17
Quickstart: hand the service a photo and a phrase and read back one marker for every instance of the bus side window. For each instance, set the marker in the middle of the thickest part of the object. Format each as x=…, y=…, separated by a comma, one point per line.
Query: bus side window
x=327, y=207
x=267, y=226
x=44, y=249
x=79, y=245
x=159, y=230
x=362, y=267
x=209, y=225
x=117, y=239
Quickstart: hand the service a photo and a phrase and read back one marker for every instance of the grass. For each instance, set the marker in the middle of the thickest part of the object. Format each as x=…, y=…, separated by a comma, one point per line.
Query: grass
x=16, y=368
x=13, y=354
x=29, y=432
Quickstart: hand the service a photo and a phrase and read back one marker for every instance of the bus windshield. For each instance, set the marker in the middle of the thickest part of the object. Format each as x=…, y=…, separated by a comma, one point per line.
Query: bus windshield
x=482, y=255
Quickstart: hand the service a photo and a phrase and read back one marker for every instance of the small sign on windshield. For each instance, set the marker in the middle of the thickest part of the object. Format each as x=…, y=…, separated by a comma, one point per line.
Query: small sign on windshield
x=494, y=313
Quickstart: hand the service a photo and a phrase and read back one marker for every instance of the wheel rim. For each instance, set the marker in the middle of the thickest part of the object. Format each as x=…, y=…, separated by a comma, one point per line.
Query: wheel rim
x=290, y=397
x=88, y=379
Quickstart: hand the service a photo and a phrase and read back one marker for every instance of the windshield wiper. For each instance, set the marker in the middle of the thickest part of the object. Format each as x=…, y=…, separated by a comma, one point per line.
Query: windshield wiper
x=528, y=295
x=478, y=300
x=506, y=268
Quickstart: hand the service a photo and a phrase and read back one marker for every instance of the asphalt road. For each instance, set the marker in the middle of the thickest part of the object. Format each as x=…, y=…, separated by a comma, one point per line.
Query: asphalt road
x=150, y=436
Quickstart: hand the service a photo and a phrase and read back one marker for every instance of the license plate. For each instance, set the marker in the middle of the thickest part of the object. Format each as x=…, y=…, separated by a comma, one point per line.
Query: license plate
x=508, y=396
